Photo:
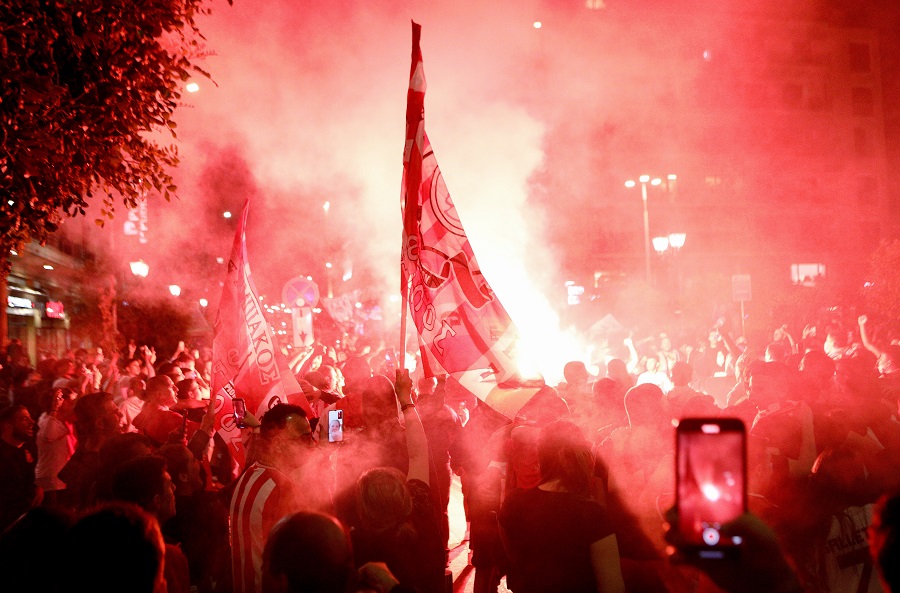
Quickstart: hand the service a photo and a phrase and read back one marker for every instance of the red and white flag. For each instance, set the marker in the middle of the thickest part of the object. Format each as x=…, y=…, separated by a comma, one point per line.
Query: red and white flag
x=247, y=360
x=463, y=329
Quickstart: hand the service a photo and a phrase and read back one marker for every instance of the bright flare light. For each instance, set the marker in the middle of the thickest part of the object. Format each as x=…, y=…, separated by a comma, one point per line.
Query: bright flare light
x=711, y=493
x=48, y=267
x=192, y=87
x=656, y=181
x=326, y=207
x=644, y=178
x=630, y=183
x=204, y=303
x=226, y=214
x=175, y=290
x=538, y=24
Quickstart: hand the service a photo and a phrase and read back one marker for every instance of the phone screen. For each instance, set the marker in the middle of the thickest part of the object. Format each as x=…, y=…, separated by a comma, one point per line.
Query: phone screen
x=335, y=426
x=240, y=411
x=711, y=482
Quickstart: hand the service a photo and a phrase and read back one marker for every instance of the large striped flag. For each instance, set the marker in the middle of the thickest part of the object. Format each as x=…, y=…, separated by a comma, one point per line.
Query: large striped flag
x=247, y=360
x=463, y=329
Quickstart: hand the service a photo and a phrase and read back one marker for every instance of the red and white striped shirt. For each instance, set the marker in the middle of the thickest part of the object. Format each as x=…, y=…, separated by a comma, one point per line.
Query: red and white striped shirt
x=262, y=497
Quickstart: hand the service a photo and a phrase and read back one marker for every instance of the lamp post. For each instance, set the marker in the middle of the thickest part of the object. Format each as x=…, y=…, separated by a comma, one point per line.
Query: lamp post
x=644, y=180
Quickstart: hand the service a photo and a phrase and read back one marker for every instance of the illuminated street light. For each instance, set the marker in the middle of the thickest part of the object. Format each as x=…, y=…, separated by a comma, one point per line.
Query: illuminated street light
x=676, y=240
x=671, y=177
x=656, y=181
x=630, y=183
x=175, y=290
x=139, y=268
x=660, y=244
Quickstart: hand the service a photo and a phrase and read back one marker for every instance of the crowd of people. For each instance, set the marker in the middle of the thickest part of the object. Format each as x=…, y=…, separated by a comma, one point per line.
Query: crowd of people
x=110, y=467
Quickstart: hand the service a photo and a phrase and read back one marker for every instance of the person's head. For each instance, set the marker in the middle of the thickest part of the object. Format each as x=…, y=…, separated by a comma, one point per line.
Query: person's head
x=118, y=547
x=652, y=364
x=172, y=371
x=64, y=368
x=308, y=552
x=382, y=499
x=617, y=370
x=161, y=391
x=665, y=343
x=565, y=455
x=187, y=389
x=16, y=425
x=378, y=401
x=776, y=352
x=334, y=380
x=183, y=468
x=768, y=383
x=133, y=367
x=185, y=361
x=145, y=482
x=681, y=374
x=544, y=407
x=356, y=371
x=819, y=367
x=643, y=404
x=835, y=341
x=884, y=541
x=576, y=374
x=96, y=416
x=286, y=437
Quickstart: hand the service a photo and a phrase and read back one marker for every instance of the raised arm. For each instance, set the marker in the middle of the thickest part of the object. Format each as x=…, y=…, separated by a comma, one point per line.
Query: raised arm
x=416, y=443
x=864, y=336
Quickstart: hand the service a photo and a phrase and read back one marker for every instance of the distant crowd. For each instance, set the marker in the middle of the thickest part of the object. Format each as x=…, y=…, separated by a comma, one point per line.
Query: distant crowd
x=112, y=477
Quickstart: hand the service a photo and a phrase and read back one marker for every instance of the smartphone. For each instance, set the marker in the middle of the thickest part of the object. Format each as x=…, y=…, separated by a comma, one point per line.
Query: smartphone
x=335, y=426
x=711, y=483
x=240, y=411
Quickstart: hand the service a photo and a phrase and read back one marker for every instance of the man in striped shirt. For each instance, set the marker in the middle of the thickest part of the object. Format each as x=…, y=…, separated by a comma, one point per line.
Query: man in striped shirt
x=265, y=492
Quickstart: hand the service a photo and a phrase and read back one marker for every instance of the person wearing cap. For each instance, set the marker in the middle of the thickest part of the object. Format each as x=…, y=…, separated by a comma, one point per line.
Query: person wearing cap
x=266, y=492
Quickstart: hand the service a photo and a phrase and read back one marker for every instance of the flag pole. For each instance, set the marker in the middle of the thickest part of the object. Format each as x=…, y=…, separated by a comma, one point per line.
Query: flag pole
x=409, y=185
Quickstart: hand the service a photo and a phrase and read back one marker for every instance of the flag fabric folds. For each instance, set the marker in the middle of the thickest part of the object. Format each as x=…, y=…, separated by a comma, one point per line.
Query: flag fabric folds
x=247, y=360
x=463, y=329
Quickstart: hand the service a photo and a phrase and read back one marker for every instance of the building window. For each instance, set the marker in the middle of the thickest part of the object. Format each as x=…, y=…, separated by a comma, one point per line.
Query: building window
x=863, y=101
x=860, y=57
x=806, y=274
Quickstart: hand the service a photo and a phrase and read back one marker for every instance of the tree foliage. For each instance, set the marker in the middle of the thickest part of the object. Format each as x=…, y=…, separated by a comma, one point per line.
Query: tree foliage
x=85, y=88
x=882, y=292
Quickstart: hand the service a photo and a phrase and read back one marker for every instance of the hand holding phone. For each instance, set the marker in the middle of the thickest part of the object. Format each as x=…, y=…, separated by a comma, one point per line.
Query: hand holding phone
x=711, y=486
x=335, y=426
x=240, y=411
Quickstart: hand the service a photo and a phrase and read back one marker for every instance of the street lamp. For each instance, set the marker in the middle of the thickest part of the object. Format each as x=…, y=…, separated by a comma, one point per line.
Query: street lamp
x=676, y=240
x=660, y=244
x=644, y=180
